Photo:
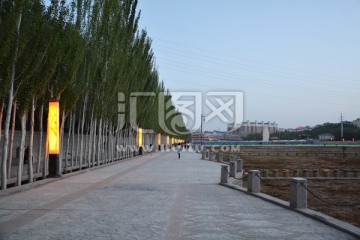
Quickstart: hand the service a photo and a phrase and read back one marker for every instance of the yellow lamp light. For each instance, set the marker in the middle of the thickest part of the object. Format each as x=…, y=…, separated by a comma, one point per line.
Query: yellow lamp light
x=140, y=137
x=159, y=139
x=172, y=140
x=53, y=126
x=167, y=140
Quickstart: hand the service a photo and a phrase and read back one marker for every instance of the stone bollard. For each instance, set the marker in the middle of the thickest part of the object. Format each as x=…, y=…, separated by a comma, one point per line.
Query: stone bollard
x=285, y=173
x=305, y=173
x=207, y=154
x=220, y=159
x=253, y=181
x=275, y=173
x=356, y=173
x=211, y=156
x=265, y=173
x=295, y=173
x=346, y=172
x=298, y=193
x=224, y=174
x=336, y=173
x=326, y=172
x=239, y=165
x=315, y=173
x=232, y=169
x=203, y=155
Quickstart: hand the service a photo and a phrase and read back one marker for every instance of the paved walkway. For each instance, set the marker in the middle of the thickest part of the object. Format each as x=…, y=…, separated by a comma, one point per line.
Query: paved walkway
x=151, y=197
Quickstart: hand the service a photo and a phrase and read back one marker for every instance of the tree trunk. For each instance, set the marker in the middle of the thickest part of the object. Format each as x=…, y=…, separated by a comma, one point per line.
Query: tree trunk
x=2, y=106
x=8, y=110
x=94, y=144
x=63, y=118
x=99, y=142
x=82, y=130
x=41, y=114
x=22, y=149
x=12, y=139
x=73, y=139
x=78, y=142
x=31, y=144
x=68, y=141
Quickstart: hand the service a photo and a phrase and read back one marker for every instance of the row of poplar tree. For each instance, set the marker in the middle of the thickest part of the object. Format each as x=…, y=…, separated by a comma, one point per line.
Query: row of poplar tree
x=84, y=53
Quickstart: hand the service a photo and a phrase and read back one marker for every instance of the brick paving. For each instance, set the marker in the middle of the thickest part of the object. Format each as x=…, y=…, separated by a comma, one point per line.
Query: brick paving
x=151, y=197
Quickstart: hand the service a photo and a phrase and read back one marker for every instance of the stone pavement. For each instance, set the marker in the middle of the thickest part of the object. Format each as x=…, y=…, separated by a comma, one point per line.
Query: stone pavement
x=151, y=197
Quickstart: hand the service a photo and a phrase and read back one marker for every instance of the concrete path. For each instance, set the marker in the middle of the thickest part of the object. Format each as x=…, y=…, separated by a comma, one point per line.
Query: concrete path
x=151, y=197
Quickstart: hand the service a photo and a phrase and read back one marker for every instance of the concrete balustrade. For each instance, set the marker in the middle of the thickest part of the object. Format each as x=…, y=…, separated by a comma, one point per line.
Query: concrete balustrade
x=315, y=173
x=298, y=193
x=275, y=173
x=346, y=173
x=265, y=173
x=224, y=174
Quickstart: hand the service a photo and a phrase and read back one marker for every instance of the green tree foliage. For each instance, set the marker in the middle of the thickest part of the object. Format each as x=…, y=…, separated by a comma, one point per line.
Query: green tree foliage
x=83, y=52
x=350, y=132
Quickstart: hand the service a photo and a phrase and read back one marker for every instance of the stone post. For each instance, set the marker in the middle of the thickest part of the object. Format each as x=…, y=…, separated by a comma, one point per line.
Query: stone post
x=202, y=155
x=356, y=173
x=326, y=172
x=305, y=173
x=211, y=156
x=224, y=174
x=253, y=181
x=336, y=173
x=315, y=173
x=346, y=172
x=220, y=159
x=207, y=154
x=285, y=173
x=275, y=173
x=232, y=169
x=265, y=173
x=239, y=165
x=298, y=193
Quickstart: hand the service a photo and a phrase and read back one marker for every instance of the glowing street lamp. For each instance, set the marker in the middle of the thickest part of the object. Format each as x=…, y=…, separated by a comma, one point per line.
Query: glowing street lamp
x=159, y=141
x=53, y=135
x=140, y=140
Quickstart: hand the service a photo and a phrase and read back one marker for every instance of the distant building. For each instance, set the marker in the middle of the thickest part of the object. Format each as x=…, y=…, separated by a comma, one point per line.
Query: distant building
x=357, y=122
x=252, y=127
x=326, y=137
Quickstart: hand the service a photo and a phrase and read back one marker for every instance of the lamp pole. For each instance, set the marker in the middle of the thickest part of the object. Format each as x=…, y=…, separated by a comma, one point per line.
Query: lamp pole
x=54, y=137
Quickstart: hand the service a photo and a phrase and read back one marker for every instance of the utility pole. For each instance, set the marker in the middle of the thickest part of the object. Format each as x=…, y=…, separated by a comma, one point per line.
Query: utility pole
x=201, y=136
x=341, y=127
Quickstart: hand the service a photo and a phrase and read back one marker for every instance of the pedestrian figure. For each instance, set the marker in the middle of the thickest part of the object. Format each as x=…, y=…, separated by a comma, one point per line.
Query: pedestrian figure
x=179, y=150
x=151, y=148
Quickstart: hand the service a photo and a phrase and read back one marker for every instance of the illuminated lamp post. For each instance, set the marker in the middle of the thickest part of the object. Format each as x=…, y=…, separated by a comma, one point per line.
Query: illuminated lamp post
x=53, y=134
x=159, y=141
x=140, y=141
x=167, y=140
